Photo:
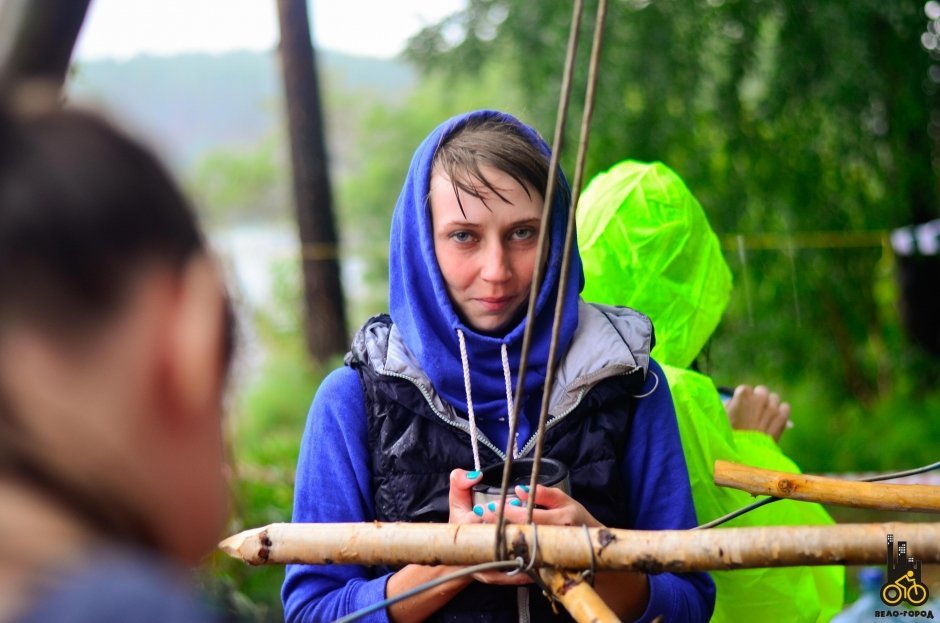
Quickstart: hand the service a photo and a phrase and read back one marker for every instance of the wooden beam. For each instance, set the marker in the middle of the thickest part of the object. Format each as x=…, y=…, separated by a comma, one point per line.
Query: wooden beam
x=565, y=547
x=882, y=496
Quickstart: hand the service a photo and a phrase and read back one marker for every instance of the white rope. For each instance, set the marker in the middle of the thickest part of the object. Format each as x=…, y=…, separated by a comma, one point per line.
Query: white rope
x=466, y=385
x=507, y=377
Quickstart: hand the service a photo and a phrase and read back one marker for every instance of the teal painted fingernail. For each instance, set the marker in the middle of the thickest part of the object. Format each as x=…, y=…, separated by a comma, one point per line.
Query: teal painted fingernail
x=478, y=510
x=515, y=502
x=472, y=475
x=524, y=488
x=492, y=506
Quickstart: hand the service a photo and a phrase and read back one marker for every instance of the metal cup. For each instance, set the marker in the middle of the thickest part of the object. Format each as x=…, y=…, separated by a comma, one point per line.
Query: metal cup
x=552, y=473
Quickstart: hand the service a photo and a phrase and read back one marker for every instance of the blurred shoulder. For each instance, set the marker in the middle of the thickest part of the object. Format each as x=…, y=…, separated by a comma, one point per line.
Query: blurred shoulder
x=118, y=585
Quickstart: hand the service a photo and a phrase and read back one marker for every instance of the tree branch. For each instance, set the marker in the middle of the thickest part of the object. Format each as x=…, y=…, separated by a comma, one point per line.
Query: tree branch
x=916, y=498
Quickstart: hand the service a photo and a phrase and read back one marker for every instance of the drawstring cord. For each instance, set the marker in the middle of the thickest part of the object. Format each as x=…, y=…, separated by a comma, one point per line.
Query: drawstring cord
x=507, y=377
x=466, y=385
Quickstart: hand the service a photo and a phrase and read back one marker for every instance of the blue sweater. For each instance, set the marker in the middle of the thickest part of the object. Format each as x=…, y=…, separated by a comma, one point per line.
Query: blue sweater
x=333, y=485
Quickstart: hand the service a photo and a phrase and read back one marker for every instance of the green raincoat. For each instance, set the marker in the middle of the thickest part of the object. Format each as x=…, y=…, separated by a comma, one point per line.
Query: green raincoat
x=645, y=243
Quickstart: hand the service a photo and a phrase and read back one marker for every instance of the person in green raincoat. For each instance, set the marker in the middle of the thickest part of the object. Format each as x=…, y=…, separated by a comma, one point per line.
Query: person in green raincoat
x=646, y=243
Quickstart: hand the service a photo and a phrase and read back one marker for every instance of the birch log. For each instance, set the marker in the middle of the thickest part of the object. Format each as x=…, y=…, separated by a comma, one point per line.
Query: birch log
x=566, y=547
x=580, y=600
x=883, y=496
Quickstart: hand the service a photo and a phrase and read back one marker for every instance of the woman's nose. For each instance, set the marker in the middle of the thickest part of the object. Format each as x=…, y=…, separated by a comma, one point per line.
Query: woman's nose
x=496, y=265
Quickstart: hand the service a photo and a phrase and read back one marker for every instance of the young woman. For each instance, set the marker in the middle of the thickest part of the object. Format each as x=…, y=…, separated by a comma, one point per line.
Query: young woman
x=427, y=391
x=114, y=341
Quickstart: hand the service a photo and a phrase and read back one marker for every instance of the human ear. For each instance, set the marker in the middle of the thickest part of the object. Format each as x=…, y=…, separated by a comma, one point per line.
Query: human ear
x=193, y=362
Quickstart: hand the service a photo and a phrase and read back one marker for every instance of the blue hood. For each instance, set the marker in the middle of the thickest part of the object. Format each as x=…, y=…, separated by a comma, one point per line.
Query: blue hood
x=422, y=311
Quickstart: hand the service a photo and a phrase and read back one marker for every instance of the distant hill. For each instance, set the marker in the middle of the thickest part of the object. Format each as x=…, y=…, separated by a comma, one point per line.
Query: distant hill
x=191, y=104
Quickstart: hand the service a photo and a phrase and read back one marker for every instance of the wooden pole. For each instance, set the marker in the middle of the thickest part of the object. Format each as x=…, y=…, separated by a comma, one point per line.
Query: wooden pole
x=580, y=600
x=883, y=496
x=564, y=547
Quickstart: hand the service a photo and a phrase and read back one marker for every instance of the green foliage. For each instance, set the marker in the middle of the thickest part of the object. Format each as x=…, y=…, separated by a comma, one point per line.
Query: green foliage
x=785, y=119
x=237, y=186
x=830, y=436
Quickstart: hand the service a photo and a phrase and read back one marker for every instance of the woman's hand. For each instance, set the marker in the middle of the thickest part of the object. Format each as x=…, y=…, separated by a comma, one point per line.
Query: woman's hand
x=557, y=508
x=553, y=507
x=460, y=498
x=626, y=592
x=462, y=511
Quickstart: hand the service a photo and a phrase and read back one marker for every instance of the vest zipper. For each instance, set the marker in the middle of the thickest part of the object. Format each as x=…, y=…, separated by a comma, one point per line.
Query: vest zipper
x=456, y=424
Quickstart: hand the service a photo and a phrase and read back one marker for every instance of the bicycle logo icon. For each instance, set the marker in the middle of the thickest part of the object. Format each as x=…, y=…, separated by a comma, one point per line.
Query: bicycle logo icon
x=903, y=578
x=914, y=593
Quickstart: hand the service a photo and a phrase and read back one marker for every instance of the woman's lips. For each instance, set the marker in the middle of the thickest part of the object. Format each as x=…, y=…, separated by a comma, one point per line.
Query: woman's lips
x=495, y=304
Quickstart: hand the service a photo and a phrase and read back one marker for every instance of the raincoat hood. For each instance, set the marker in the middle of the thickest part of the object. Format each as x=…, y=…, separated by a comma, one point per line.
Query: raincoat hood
x=422, y=311
x=646, y=243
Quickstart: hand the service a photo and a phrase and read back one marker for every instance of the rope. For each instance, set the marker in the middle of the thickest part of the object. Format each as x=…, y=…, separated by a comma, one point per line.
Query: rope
x=569, y=240
x=805, y=240
x=557, y=143
x=507, y=378
x=385, y=603
x=786, y=242
x=464, y=362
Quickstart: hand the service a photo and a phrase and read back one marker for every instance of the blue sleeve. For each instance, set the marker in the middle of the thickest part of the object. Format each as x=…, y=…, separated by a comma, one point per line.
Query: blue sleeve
x=333, y=484
x=660, y=498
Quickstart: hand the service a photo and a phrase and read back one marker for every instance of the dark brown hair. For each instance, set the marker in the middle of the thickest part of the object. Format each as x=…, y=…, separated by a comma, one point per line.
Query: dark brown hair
x=496, y=143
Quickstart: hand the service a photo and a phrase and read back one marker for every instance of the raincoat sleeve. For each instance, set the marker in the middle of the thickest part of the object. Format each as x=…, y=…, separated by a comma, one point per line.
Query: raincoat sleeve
x=333, y=485
x=660, y=498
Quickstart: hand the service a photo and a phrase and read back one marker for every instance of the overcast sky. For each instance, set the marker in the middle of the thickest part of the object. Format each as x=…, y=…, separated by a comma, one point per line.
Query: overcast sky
x=123, y=28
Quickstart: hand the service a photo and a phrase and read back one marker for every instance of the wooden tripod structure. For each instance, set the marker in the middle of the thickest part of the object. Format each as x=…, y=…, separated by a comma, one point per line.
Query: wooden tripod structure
x=558, y=551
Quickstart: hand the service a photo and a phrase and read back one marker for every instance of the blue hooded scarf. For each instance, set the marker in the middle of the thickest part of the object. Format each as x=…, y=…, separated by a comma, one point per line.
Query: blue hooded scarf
x=422, y=311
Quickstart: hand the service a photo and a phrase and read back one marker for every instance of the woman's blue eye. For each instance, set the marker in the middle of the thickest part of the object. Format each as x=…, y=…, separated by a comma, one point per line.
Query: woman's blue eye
x=460, y=236
x=523, y=233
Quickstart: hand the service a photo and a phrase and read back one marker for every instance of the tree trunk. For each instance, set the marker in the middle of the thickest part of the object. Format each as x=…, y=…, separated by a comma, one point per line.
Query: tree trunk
x=324, y=312
x=37, y=38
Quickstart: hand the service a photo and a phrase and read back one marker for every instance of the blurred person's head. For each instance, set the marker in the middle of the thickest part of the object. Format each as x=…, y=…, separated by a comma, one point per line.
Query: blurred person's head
x=115, y=336
x=646, y=243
